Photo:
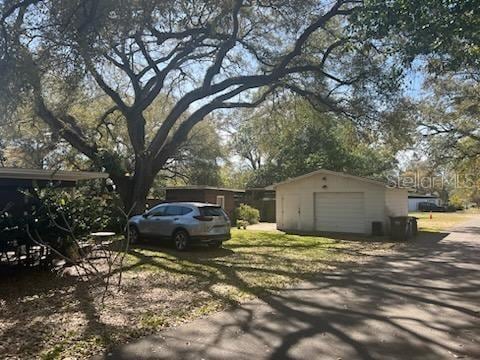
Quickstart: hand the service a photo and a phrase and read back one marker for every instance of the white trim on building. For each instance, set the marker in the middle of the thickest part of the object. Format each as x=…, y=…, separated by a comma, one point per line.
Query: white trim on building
x=49, y=175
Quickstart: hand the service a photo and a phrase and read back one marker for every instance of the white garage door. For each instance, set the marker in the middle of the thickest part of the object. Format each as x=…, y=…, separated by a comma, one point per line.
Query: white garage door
x=340, y=212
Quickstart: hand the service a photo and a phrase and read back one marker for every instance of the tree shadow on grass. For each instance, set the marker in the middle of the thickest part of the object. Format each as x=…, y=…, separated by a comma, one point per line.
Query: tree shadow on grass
x=418, y=302
x=215, y=263
x=38, y=308
x=341, y=236
x=17, y=282
x=333, y=308
x=193, y=251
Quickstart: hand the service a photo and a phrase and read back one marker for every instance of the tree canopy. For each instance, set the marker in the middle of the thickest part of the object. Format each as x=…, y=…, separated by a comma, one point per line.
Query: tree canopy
x=293, y=138
x=199, y=56
x=444, y=32
x=450, y=119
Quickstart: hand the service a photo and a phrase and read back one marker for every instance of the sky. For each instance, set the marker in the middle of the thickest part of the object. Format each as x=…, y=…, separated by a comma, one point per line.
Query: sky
x=413, y=88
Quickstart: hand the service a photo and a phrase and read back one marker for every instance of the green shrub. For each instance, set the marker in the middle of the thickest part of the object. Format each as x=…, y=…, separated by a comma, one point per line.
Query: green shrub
x=55, y=215
x=90, y=213
x=453, y=208
x=247, y=213
x=456, y=201
x=78, y=212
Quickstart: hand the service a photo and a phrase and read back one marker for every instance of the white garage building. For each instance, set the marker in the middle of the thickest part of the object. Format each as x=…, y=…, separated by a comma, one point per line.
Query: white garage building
x=327, y=201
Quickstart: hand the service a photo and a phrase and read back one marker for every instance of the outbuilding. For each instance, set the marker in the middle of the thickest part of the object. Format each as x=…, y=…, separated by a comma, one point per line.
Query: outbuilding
x=15, y=183
x=325, y=201
x=228, y=199
x=262, y=199
x=18, y=199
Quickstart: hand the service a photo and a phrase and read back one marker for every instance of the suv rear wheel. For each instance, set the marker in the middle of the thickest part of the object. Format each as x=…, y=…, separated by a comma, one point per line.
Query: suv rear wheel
x=180, y=240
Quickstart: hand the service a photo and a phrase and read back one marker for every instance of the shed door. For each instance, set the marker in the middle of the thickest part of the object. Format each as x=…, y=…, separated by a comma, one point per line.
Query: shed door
x=221, y=201
x=340, y=212
x=291, y=212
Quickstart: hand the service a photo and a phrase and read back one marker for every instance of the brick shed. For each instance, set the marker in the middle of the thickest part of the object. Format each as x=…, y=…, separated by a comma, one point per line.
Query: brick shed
x=229, y=199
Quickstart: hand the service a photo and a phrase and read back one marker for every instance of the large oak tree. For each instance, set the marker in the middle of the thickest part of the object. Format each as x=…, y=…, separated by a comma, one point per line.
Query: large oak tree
x=202, y=56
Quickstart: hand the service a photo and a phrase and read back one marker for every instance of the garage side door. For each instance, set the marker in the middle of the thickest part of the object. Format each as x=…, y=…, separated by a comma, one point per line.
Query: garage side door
x=340, y=212
x=291, y=211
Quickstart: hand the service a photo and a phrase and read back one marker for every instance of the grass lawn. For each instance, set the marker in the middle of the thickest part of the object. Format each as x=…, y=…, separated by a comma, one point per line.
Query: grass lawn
x=52, y=317
x=441, y=221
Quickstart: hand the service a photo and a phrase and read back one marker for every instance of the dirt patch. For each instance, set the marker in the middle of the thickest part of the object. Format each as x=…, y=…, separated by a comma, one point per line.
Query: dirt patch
x=264, y=226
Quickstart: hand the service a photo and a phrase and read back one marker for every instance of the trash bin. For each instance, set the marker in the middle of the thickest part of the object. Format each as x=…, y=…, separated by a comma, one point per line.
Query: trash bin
x=377, y=228
x=413, y=226
x=399, y=228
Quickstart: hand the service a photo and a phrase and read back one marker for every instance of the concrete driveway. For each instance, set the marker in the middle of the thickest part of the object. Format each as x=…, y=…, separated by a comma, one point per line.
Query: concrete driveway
x=421, y=302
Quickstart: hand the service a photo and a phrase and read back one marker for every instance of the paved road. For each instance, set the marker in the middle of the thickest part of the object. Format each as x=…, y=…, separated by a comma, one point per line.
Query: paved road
x=422, y=302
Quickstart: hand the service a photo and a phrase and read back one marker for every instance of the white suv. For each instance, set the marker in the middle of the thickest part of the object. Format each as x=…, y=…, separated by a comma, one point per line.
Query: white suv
x=185, y=223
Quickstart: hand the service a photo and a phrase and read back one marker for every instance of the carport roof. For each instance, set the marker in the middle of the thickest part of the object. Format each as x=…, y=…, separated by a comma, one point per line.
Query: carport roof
x=329, y=172
x=49, y=175
x=421, y=196
x=201, y=187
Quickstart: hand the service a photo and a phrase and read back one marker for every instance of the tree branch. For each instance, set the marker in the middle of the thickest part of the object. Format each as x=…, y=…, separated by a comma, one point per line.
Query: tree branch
x=25, y=3
x=75, y=139
x=103, y=85
x=219, y=102
x=251, y=81
x=225, y=48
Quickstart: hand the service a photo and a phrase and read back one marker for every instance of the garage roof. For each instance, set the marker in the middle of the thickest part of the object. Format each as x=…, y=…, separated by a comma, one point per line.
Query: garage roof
x=49, y=175
x=328, y=172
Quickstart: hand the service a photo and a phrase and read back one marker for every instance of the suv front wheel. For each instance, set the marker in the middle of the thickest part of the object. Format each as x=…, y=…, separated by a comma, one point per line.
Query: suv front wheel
x=133, y=234
x=180, y=240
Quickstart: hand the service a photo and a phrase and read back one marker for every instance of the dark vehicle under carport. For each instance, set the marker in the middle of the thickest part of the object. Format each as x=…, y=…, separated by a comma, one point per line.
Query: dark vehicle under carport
x=428, y=206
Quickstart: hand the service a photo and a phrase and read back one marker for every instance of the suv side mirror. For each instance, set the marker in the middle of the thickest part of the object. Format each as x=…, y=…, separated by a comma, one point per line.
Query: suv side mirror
x=145, y=214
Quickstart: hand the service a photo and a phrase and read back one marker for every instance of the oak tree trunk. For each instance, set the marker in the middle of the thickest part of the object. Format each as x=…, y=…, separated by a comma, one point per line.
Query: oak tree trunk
x=133, y=190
